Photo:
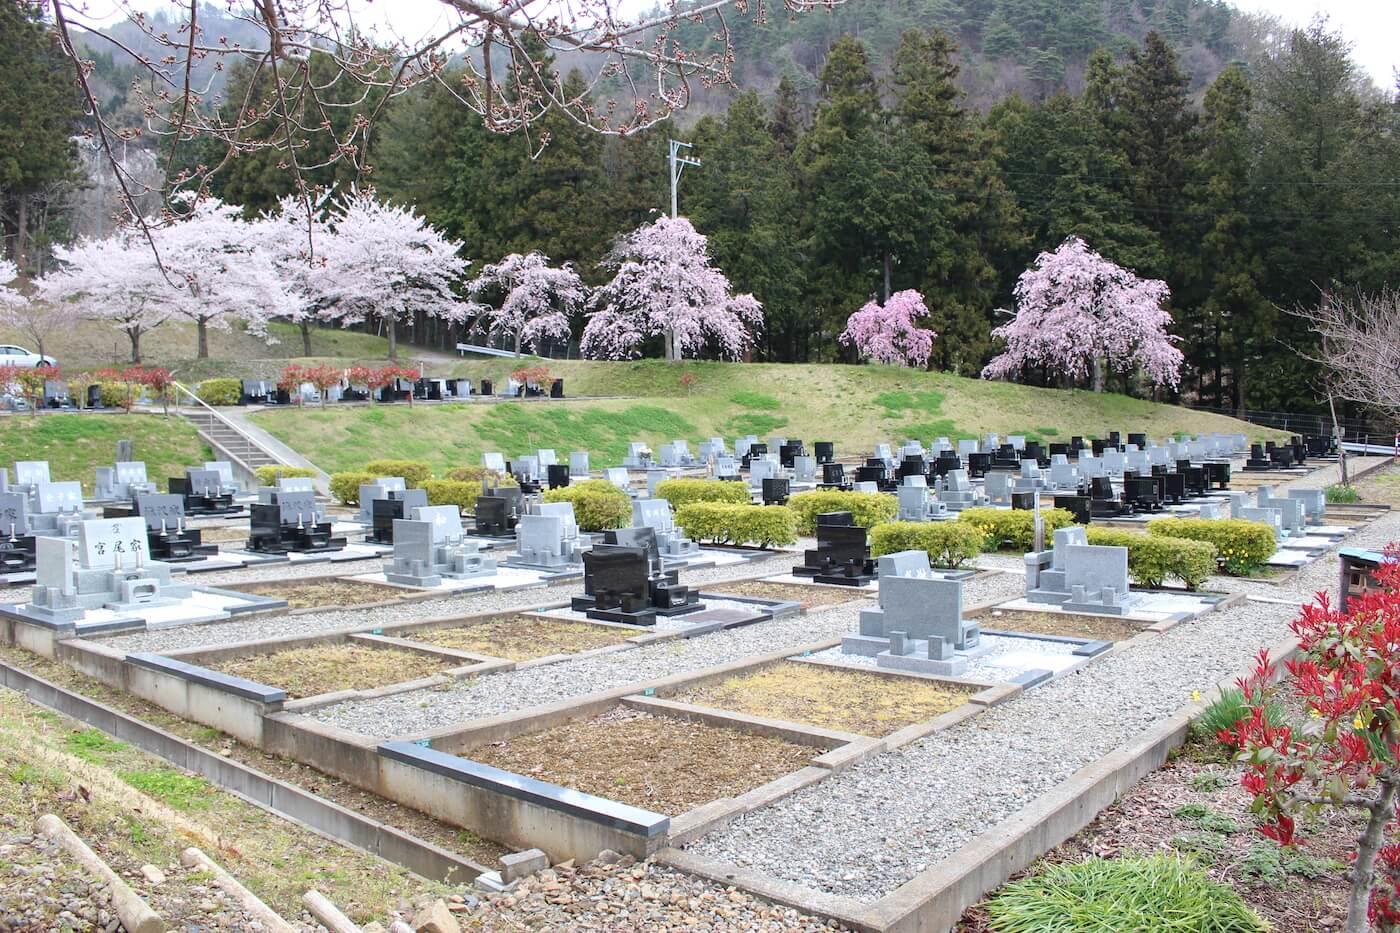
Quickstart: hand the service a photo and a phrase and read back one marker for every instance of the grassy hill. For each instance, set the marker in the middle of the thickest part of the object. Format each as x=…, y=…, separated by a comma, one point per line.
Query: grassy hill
x=75, y=444
x=854, y=406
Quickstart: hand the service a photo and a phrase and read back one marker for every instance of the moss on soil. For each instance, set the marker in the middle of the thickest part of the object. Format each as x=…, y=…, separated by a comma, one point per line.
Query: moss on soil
x=660, y=764
x=305, y=672
x=851, y=701
x=521, y=638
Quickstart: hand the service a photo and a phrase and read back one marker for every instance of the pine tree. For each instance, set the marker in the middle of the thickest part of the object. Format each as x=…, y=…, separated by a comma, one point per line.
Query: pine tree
x=789, y=122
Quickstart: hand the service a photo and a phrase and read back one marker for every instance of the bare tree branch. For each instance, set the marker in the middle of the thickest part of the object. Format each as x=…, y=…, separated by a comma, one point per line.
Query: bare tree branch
x=1359, y=346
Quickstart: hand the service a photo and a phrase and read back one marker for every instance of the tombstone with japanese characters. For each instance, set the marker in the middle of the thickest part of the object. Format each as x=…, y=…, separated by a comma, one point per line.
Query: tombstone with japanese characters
x=167, y=536
x=549, y=539
x=656, y=515
x=389, y=510
x=16, y=543
x=58, y=508
x=126, y=479
x=381, y=488
x=291, y=522
x=202, y=492
x=29, y=474
x=430, y=545
x=106, y=567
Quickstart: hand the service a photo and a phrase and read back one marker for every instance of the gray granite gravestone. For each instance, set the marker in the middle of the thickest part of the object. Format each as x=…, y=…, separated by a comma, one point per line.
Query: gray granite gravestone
x=112, y=571
x=1079, y=576
x=656, y=515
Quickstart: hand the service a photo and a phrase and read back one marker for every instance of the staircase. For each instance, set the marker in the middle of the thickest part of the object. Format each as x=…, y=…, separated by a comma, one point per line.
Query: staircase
x=228, y=442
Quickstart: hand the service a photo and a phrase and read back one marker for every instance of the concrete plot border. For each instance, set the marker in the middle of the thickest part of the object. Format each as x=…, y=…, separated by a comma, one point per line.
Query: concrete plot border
x=934, y=900
x=285, y=800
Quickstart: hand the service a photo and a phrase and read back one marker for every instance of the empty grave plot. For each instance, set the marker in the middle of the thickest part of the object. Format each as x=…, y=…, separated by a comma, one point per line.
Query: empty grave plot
x=521, y=637
x=657, y=763
x=1066, y=624
x=317, y=593
x=872, y=704
x=811, y=597
x=307, y=672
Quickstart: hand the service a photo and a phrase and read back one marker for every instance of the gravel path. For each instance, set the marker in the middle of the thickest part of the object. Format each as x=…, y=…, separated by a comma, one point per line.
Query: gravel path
x=424, y=710
x=867, y=830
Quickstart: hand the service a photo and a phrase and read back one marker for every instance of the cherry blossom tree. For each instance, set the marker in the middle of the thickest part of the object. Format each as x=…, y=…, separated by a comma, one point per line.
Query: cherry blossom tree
x=114, y=279
x=8, y=273
x=298, y=240
x=1078, y=312
x=525, y=297
x=665, y=286
x=217, y=273
x=888, y=334
x=36, y=320
x=387, y=262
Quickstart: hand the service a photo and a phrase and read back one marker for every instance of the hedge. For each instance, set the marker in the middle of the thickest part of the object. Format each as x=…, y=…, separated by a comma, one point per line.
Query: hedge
x=681, y=492
x=949, y=544
x=115, y=394
x=1243, y=546
x=220, y=391
x=414, y=472
x=867, y=508
x=1014, y=529
x=346, y=486
x=725, y=523
x=598, y=504
x=1153, y=559
x=267, y=475
x=461, y=493
x=481, y=475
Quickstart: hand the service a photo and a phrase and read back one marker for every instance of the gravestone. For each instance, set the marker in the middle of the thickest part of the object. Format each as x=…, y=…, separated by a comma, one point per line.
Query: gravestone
x=1078, y=506
x=978, y=465
x=546, y=457
x=429, y=546
x=382, y=488
x=956, y=491
x=549, y=540
x=638, y=456
x=496, y=513
x=618, y=477
x=112, y=571
x=1291, y=515
x=833, y=476
x=16, y=543
x=58, y=508
x=919, y=624
x=1078, y=576
x=804, y=469
x=1258, y=461
x=623, y=582
x=997, y=486
x=841, y=556
x=1064, y=476
x=578, y=464
x=825, y=451
x=30, y=473
x=167, y=538
x=915, y=503
x=291, y=522
x=494, y=461
x=1217, y=475
x=227, y=484
x=776, y=490
x=557, y=475
x=656, y=515
x=385, y=511
x=1314, y=504
x=760, y=470
x=726, y=468
x=124, y=480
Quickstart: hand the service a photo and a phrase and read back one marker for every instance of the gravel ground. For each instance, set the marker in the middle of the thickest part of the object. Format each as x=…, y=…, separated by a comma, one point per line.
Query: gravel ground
x=423, y=710
x=281, y=570
x=867, y=830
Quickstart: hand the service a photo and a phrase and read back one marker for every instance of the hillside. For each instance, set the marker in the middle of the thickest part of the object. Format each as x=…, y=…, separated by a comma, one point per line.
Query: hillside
x=854, y=406
x=75, y=444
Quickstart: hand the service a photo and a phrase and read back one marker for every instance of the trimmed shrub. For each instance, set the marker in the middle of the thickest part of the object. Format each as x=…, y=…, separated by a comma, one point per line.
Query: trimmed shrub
x=725, y=523
x=461, y=493
x=267, y=475
x=598, y=504
x=481, y=475
x=1014, y=529
x=414, y=472
x=949, y=544
x=1153, y=559
x=867, y=508
x=1243, y=546
x=681, y=492
x=1122, y=895
x=220, y=391
x=346, y=486
x=120, y=394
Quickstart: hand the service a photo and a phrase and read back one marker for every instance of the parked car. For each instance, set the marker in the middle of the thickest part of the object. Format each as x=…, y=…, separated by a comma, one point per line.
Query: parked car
x=19, y=356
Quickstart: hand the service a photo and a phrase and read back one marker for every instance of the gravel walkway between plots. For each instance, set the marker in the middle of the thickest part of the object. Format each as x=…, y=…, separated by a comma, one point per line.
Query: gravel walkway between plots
x=282, y=570
x=424, y=710
x=277, y=626
x=867, y=830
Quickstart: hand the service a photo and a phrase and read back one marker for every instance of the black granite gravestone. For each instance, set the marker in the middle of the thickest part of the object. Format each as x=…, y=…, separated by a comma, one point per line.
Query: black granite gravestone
x=978, y=465
x=841, y=556
x=288, y=523
x=1078, y=506
x=557, y=475
x=825, y=451
x=623, y=581
x=775, y=490
x=833, y=476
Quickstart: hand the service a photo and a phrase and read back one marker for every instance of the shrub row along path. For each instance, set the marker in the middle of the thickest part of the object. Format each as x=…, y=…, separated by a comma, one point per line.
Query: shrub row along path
x=864, y=832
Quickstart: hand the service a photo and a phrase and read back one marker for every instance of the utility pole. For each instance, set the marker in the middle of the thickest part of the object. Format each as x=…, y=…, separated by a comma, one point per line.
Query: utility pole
x=677, y=163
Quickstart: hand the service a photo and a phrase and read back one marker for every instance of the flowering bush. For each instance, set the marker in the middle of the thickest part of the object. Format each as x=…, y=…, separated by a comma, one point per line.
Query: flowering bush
x=1345, y=753
x=1243, y=546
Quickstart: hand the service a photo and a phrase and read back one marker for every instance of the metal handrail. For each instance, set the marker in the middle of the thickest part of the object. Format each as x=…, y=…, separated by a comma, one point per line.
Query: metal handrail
x=249, y=444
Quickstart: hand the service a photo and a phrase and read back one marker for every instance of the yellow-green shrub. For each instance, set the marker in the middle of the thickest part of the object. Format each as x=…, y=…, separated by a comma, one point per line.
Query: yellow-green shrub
x=220, y=391
x=681, y=492
x=868, y=509
x=120, y=394
x=268, y=475
x=949, y=544
x=598, y=504
x=346, y=486
x=726, y=523
x=414, y=472
x=461, y=493
x=479, y=474
x=1153, y=559
x=1014, y=529
x=1243, y=546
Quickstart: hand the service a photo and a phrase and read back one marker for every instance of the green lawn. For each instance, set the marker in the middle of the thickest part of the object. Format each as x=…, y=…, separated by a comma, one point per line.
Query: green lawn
x=854, y=406
x=74, y=445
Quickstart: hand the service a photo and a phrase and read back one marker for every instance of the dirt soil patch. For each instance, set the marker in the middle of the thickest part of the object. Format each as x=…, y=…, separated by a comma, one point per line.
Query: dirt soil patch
x=322, y=594
x=1068, y=624
x=1382, y=486
x=655, y=762
x=223, y=535
x=306, y=672
x=811, y=597
x=521, y=638
x=832, y=698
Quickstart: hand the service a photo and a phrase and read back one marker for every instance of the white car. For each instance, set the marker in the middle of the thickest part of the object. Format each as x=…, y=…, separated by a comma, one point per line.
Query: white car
x=19, y=356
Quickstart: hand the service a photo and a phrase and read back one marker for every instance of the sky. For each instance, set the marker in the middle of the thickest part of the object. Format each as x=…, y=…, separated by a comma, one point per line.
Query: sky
x=1371, y=26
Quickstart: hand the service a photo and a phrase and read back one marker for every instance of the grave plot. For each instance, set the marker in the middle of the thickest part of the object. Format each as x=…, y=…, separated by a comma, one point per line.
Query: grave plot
x=321, y=592
x=520, y=637
x=717, y=612
x=807, y=595
x=655, y=762
x=320, y=669
x=1061, y=624
x=863, y=702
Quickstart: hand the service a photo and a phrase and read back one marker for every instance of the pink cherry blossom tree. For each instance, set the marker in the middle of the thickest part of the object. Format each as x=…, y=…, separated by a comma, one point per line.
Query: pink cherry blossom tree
x=888, y=333
x=1079, y=312
x=218, y=273
x=387, y=262
x=665, y=286
x=525, y=297
x=114, y=279
x=298, y=240
x=36, y=320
